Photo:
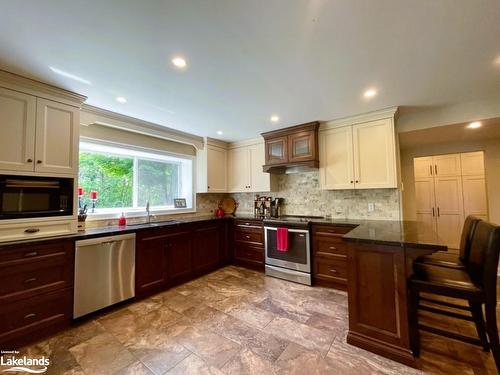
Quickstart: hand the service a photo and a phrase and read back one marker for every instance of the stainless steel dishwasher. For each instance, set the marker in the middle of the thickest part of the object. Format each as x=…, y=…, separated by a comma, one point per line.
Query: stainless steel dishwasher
x=104, y=272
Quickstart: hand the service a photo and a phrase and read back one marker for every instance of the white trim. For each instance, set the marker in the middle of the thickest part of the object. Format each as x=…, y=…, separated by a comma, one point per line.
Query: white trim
x=358, y=119
x=93, y=115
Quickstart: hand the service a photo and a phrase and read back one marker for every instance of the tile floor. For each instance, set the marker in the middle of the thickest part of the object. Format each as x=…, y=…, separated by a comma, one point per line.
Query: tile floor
x=237, y=321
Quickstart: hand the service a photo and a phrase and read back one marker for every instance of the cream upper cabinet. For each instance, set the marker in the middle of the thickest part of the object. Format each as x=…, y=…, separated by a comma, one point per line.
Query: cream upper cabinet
x=37, y=134
x=453, y=188
x=361, y=156
x=259, y=180
x=423, y=167
x=374, y=155
x=217, y=169
x=57, y=130
x=239, y=169
x=447, y=165
x=245, y=169
x=472, y=163
x=336, y=158
x=17, y=130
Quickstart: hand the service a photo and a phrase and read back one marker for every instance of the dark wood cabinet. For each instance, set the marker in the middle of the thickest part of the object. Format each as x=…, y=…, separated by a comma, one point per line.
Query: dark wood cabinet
x=207, y=248
x=249, y=243
x=179, y=257
x=151, y=275
x=302, y=146
x=36, y=291
x=330, y=255
x=296, y=146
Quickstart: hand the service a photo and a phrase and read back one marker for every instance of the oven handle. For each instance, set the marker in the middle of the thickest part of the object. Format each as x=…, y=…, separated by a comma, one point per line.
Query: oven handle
x=290, y=230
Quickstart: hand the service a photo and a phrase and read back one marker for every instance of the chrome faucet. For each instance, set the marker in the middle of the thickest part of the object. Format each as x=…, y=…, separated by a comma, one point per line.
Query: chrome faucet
x=148, y=212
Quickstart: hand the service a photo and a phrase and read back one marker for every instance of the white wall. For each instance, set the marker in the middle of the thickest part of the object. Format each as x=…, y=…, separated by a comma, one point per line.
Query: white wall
x=491, y=149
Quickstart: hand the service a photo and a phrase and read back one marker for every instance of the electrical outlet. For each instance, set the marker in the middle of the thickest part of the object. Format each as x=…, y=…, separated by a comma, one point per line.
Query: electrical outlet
x=371, y=207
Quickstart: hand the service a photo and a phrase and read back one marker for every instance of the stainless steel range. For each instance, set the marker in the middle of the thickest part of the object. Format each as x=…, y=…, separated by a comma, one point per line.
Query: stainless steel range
x=294, y=263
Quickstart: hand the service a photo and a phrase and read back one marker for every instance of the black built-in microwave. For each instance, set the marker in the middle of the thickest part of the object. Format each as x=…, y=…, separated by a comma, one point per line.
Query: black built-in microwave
x=32, y=196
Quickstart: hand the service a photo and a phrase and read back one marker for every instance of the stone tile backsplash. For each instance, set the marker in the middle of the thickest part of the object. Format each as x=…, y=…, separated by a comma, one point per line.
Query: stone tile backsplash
x=303, y=196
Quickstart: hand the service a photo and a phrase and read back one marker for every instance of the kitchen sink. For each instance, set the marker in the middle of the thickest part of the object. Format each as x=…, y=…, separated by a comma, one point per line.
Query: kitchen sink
x=157, y=223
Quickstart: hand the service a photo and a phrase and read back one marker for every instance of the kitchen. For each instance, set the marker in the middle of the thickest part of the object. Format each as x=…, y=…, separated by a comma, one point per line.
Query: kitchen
x=343, y=224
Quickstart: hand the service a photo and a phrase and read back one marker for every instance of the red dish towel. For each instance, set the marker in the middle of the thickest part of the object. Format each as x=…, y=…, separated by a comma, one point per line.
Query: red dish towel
x=282, y=240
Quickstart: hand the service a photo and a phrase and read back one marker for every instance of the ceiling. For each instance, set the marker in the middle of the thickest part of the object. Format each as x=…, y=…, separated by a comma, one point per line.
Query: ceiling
x=302, y=60
x=456, y=133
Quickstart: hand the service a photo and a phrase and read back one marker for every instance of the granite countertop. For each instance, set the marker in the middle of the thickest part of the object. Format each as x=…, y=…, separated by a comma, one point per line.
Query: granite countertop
x=403, y=233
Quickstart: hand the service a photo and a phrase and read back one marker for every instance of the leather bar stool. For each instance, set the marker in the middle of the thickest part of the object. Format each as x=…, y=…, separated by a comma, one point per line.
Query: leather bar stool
x=476, y=284
x=443, y=259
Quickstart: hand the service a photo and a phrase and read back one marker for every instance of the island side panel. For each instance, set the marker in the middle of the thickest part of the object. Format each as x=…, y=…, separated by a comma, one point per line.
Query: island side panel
x=378, y=300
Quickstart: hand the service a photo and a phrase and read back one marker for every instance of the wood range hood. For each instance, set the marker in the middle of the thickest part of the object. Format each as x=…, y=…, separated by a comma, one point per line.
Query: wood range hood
x=293, y=149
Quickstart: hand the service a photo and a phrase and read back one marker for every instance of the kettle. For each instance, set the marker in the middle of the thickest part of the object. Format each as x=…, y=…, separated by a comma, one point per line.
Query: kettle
x=219, y=212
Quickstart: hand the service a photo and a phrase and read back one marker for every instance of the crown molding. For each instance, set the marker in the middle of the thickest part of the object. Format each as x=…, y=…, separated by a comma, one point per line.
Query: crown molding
x=90, y=115
x=358, y=119
x=246, y=142
x=36, y=88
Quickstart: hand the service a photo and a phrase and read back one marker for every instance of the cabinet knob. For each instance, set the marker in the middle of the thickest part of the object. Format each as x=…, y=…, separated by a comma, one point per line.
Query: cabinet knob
x=27, y=281
x=31, y=254
x=39, y=162
x=333, y=248
x=357, y=181
x=333, y=270
x=352, y=182
x=29, y=161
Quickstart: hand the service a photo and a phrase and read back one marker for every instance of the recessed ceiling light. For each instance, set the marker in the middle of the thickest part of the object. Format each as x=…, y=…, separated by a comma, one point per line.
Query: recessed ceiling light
x=474, y=125
x=370, y=93
x=497, y=61
x=275, y=118
x=179, y=62
x=69, y=75
x=219, y=132
x=121, y=99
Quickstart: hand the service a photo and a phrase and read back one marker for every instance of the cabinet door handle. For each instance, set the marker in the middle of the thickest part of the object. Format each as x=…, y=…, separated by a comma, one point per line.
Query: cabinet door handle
x=27, y=281
x=39, y=162
x=29, y=161
x=248, y=237
x=32, y=230
x=29, y=316
x=438, y=212
x=333, y=248
x=430, y=167
x=31, y=254
x=436, y=169
x=432, y=211
x=332, y=270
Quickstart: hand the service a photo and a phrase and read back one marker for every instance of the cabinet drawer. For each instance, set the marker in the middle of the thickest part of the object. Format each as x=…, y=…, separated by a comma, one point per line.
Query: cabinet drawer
x=25, y=231
x=329, y=230
x=246, y=235
x=20, y=254
x=24, y=320
x=31, y=277
x=250, y=224
x=331, y=269
x=249, y=253
x=327, y=246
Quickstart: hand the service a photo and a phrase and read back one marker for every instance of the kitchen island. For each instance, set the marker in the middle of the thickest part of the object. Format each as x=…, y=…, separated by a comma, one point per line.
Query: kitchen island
x=380, y=262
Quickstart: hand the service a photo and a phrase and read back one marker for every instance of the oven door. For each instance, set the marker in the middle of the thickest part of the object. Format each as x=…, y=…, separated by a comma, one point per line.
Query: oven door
x=298, y=255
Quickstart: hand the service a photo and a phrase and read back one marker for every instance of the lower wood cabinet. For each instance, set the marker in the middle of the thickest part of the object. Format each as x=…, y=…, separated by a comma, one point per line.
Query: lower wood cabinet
x=36, y=291
x=330, y=255
x=249, y=243
x=170, y=256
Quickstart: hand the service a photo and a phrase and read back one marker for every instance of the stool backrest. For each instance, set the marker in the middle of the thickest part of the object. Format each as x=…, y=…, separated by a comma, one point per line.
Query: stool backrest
x=466, y=239
x=483, y=259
